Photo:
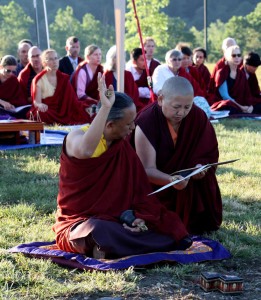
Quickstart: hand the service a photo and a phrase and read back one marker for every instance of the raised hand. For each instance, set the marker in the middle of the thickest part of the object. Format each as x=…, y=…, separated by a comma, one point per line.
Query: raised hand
x=107, y=96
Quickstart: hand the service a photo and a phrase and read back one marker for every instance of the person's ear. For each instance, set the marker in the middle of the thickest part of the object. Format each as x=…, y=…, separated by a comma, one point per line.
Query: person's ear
x=160, y=98
x=109, y=125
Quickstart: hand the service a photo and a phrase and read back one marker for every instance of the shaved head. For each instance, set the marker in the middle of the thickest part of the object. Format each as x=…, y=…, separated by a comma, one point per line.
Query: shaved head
x=177, y=86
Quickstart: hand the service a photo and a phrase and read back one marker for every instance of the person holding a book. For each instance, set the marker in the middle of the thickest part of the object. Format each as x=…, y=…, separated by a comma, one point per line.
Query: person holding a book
x=11, y=95
x=174, y=134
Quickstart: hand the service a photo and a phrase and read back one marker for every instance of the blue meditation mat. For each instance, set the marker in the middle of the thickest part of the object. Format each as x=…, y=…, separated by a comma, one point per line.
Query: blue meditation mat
x=48, y=138
x=203, y=249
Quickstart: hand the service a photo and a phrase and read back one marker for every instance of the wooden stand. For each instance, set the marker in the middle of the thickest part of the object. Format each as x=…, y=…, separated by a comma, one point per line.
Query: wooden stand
x=16, y=126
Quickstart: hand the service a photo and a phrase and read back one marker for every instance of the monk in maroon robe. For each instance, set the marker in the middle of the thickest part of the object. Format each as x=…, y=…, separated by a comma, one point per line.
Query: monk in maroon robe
x=130, y=87
x=174, y=134
x=101, y=177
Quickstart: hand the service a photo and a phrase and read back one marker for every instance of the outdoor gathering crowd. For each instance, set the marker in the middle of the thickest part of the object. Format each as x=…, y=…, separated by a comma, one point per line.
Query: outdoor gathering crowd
x=109, y=167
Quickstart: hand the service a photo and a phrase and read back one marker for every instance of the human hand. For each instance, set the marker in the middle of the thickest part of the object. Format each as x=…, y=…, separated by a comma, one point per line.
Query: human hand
x=107, y=96
x=42, y=107
x=201, y=174
x=181, y=185
x=6, y=105
x=138, y=226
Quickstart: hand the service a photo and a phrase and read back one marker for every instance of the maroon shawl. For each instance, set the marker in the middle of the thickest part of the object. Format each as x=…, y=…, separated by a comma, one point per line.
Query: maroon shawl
x=63, y=107
x=153, y=65
x=103, y=188
x=130, y=87
x=10, y=91
x=23, y=78
x=92, y=88
x=240, y=91
x=200, y=201
x=253, y=87
x=204, y=74
x=195, y=84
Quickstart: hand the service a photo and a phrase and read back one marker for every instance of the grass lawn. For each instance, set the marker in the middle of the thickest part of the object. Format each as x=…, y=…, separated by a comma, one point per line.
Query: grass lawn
x=28, y=189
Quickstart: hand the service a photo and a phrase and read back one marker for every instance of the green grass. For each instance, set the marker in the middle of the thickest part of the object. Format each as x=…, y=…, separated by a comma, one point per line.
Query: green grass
x=28, y=189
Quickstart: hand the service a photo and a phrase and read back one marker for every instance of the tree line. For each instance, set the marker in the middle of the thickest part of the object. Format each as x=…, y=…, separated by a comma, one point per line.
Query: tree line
x=167, y=31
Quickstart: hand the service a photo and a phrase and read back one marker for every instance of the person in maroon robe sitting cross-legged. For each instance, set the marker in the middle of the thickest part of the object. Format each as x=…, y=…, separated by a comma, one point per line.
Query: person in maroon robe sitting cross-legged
x=174, y=134
x=102, y=181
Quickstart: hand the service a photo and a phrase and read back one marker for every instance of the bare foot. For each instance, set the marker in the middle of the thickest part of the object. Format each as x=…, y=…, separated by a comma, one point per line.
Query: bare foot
x=96, y=253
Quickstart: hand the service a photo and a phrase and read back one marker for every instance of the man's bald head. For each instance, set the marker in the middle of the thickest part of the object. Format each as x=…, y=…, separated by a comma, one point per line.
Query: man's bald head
x=176, y=86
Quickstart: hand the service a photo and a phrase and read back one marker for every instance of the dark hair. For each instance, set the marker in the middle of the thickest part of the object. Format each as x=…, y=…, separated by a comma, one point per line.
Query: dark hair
x=122, y=101
x=252, y=59
x=72, y=40
x=26, y=41
x=184, y=49
x=201, y=50
x=8, y=60
x=136, y=53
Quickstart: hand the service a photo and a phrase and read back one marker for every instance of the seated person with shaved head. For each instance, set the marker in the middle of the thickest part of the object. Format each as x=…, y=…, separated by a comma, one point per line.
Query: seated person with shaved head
x=174, y=134
x=102, y=181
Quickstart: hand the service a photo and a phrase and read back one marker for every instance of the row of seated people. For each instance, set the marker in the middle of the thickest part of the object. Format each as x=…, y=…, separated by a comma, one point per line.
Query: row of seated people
x=84, y=80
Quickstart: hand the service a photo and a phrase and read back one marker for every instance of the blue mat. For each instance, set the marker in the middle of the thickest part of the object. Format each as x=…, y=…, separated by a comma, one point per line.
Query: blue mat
x=48, y=138
x=203, y=249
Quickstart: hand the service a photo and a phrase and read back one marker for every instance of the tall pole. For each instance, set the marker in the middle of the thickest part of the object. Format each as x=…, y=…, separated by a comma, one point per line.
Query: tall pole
x=46, y=25
x=119, y=13
x=37, y=23
x=205, y=26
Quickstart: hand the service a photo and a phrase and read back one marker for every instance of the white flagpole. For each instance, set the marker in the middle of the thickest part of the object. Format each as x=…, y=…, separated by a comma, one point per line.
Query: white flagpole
x=119, y=13
x=46, y=25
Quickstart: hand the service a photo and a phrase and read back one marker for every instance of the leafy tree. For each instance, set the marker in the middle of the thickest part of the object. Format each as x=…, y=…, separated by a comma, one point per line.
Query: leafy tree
x=14, y=26
x=64, y=25
x=153, y=22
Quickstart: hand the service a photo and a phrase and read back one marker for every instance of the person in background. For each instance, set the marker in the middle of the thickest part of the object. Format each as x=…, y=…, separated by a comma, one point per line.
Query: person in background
x=91, y=202
x=22, y=53
x=250, y=65
x=33, y=68
x=69, y=63
x=54, y=100
x=173, y=134
x=130, y=87
x=199, y=58
x=84, y=80
x=149, y=47
x=137, y=68
x=231, y=86
x=11, y=95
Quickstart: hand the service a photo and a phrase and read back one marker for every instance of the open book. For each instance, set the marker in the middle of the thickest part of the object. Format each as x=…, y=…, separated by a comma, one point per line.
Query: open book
x=187, y=173
x=19, y=111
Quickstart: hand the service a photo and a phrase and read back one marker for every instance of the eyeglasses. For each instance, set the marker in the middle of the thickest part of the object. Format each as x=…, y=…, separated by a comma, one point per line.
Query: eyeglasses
x=176, y=59
x=9, y=71
x=52, y=59
x=236, y=55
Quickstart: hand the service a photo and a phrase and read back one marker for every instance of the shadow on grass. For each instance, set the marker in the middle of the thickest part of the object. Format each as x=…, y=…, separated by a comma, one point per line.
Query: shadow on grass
x=241, y=124
x=38, y=185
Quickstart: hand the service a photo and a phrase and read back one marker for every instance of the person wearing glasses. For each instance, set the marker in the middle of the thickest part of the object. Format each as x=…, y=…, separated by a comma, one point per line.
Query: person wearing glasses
x=11, y=95
x=173, y=68
x=33, y=68
x=53, y=97
x=231, y=88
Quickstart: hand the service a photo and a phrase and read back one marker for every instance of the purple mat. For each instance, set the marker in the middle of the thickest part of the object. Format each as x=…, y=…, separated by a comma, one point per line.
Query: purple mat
x=203, y=249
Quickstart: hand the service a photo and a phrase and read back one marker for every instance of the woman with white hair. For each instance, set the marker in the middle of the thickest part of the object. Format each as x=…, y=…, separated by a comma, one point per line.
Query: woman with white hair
x=231, y=88
x=130, y=87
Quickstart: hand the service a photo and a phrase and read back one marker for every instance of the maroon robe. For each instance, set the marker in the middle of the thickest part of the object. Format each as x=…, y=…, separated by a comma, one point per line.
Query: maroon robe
x=24, y=77
x=205, y=75
x=253, y=87
x=130, y=87
x=63, y=107
x=142, y=82
x=92, y=93
x=197, y=90
x=153, y=65
x=240, y=90
x=102, y=188
x=10, y=91
x=199, y=205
